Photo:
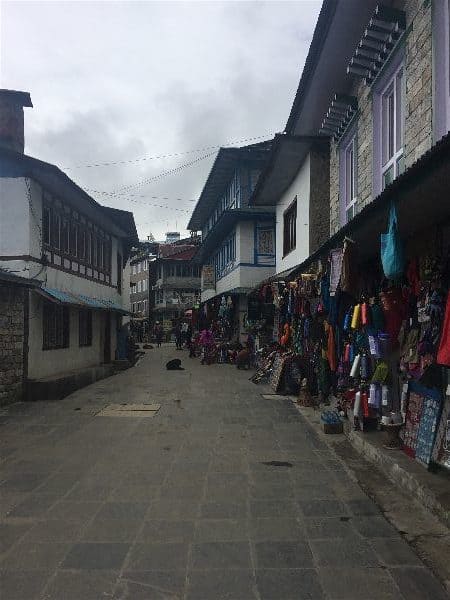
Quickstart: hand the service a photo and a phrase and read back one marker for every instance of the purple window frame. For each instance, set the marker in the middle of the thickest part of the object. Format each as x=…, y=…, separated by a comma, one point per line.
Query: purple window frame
x=441, y=68
x=349, y=137
x=377, y=91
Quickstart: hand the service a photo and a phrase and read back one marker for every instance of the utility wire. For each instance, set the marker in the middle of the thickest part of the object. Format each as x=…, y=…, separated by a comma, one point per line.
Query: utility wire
x=123, y=189
x=164, y=173
x=139, y=195
x=144, y=158
x=144, y=204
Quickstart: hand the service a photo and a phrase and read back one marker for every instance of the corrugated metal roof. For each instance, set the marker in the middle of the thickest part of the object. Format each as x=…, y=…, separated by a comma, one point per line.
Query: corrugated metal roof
x=12, y=278
x=81, y=300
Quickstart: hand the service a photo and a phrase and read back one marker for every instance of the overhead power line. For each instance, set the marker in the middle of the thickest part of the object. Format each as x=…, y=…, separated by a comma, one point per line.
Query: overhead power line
x=144, y=204
x=116, y=194
x=125, y=188
x=157, y=157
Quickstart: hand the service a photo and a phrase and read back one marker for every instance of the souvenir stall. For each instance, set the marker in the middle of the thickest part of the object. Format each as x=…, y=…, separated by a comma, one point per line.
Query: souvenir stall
x=259, y=321
x=219, y=316
x=287, y=357
x=219, y=313
x=391, y=340
x=371, y=338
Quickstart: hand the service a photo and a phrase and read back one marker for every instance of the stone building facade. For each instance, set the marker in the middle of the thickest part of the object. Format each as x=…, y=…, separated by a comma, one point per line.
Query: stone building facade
x=319, y=224
x=12, y=342
x=417, y=48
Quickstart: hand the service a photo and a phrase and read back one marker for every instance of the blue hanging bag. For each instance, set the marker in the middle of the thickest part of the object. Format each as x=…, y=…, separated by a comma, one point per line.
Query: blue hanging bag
x=392, y=256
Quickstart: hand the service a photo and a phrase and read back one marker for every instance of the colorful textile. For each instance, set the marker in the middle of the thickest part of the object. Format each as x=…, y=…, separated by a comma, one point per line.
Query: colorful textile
x=412, y=421
x=443, y=356
x=349, y=274
x=336, y=257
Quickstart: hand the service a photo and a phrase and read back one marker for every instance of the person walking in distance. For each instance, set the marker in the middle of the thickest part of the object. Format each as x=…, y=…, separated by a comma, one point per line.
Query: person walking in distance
x=178, y=336
x=158, y=334
x=206, y=343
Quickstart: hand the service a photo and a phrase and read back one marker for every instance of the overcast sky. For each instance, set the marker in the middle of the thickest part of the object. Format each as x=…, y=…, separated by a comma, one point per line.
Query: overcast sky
x=118, y=81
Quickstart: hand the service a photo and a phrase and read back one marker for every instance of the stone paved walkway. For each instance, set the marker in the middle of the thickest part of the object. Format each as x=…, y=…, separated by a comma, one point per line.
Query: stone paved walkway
x=182, y=506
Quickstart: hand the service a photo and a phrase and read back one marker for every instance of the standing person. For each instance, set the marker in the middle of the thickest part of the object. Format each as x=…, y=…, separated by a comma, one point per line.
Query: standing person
x=188, y=339
x=178, y=336
x=206, y=342
x=184, y=328
x=158, y=334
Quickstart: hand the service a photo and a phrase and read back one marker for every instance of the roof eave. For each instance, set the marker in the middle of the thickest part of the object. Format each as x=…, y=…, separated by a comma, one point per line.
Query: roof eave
x=308, y=142
x=320, y=33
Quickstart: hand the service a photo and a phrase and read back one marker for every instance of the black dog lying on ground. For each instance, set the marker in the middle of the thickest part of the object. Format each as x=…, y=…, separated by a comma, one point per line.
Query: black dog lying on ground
x=174, y=365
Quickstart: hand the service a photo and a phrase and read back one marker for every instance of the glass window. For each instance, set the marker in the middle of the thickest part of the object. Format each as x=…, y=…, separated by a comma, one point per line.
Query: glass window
x=348, y=183
x=65, y=236
x=74, y=239
x=55, y=326
x=46, y=224
x=290, y=228
x=56, y=231
x=392, y=127
x=89, y=248
x=119, y=273
x=82, y=244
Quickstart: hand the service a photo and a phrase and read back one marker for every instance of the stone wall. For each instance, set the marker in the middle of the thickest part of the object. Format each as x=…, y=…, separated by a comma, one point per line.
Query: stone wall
x=11, y=342
x=319, y=217
x=419, y=81
x=418, y=109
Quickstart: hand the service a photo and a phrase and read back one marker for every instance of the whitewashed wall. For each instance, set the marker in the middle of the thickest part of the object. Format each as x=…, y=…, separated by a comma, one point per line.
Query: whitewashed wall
x=48, y=363
x=300, y=187
x=20, y=235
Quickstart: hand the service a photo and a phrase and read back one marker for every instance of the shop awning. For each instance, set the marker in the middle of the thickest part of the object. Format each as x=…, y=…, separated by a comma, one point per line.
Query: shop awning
x=80, y=300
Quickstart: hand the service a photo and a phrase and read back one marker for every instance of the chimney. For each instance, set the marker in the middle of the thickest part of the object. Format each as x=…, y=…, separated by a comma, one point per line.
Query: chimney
x=11, y=119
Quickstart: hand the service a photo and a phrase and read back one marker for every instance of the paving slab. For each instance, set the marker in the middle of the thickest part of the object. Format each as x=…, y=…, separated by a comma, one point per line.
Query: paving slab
x=222, y=494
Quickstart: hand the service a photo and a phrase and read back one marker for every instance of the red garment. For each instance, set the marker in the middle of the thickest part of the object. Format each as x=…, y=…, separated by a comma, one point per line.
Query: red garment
x=331, y=347
x=443, y=356
x=412, y=274
x=395, y=311
x=206, y=338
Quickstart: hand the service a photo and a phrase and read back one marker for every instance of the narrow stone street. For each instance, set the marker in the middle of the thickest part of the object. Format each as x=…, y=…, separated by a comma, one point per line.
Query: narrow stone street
x=188, y=503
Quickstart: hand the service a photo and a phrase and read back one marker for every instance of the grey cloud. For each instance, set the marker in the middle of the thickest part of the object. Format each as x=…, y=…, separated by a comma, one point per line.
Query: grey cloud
x=114, y=81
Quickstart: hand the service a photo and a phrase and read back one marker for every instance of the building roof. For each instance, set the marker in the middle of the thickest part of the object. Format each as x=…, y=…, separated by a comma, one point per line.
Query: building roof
x=286, y=157
x=176, y=252
x=420, y=196
x=16, y=97
x=80, y=300
x=125, y=220
x=225, y=164
x=14, y=279
x=16, y=164
x=336, y=35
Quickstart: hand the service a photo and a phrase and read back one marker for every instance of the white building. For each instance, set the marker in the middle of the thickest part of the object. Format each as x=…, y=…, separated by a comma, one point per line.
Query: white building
x=296, y=182
x=177, y=282
x=54, y=232
x=238, y=241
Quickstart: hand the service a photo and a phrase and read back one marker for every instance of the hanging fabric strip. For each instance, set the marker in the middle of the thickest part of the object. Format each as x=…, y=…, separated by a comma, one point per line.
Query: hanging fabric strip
x=336, y=269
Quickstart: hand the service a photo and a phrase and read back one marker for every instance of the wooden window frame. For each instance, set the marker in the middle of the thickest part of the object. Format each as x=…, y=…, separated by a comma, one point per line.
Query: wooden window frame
x=46, y=225
x=55, y=326
x=290, y=228
x=119, y=273
x=77, y=241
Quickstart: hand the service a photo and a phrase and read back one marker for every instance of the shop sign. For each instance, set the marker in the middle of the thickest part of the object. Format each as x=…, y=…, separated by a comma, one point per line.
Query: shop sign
x=208, y=278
